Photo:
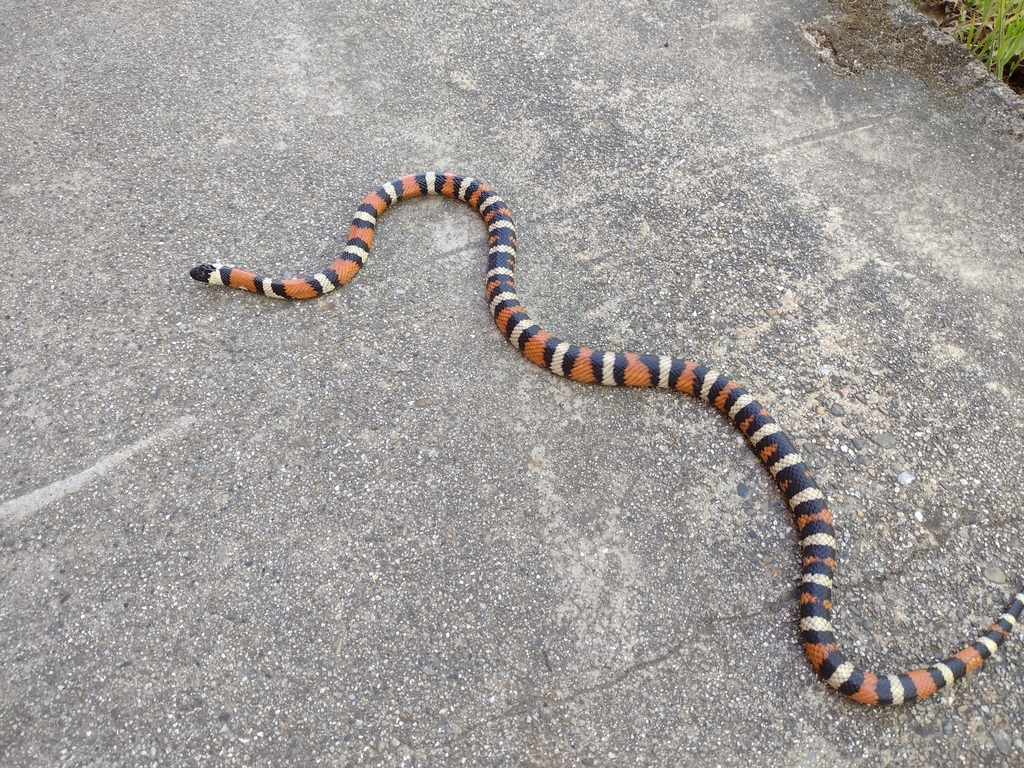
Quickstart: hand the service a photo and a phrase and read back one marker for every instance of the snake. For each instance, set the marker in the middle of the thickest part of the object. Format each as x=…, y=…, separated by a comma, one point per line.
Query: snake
x=812, y=519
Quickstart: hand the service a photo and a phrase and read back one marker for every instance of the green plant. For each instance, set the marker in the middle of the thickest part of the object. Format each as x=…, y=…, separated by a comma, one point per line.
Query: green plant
x=993, y=30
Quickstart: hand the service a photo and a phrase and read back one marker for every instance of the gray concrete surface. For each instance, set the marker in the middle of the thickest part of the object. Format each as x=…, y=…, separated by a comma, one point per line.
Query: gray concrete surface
x=363, y=530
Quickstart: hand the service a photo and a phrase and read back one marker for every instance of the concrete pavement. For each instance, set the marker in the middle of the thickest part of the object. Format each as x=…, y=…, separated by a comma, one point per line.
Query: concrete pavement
x=363, y=530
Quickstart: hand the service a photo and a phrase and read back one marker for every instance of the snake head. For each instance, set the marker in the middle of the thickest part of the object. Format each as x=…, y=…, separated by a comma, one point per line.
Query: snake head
x=202, y=272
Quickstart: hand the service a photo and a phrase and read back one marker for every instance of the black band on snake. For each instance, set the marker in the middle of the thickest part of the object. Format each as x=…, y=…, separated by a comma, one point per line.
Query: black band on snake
x=813, y=521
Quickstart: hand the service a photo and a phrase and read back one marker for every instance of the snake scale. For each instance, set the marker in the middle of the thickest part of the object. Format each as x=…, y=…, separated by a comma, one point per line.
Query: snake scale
x=813, y=521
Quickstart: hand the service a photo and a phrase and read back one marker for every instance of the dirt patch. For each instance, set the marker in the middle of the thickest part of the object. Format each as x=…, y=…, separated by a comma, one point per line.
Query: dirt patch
x=861, y=34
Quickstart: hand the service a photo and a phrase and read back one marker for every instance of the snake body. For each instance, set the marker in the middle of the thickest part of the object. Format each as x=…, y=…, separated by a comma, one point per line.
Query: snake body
x=813, y=521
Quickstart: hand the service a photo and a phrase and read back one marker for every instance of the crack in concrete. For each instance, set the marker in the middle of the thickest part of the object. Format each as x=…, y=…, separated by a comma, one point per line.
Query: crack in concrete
x=541, y=700
x=623, y=674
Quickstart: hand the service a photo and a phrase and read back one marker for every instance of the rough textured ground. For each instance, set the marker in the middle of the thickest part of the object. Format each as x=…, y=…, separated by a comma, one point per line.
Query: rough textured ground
x=365, y=531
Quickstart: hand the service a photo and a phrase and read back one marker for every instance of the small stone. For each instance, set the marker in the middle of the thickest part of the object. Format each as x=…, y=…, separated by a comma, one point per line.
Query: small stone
x=918, y=515
x=858, y=443
x=837, y=410
x=742, y=490
x=1002, y=740
x=905, y=478
x=995, y=575
x=884, y=440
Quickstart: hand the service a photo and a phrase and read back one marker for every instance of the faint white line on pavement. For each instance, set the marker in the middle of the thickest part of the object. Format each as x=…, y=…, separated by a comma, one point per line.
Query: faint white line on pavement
x=16, y=509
